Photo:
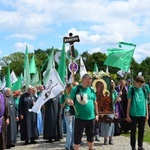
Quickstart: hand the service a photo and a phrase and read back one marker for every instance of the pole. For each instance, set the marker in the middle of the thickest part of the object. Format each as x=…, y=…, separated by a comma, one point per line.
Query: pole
x=73, y=77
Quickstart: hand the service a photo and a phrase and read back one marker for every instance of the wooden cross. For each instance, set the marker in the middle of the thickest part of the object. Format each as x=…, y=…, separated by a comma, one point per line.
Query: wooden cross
x=71, y=39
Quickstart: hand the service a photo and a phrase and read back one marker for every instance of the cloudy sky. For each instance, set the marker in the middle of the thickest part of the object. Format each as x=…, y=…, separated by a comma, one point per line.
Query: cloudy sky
x=100, y=24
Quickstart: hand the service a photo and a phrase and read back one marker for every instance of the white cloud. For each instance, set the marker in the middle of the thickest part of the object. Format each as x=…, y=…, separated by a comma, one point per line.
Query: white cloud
x=141, y=52
x=22, y=36
x=22, y=47
x=107, y=17
x=94, y=50
x=98, y=22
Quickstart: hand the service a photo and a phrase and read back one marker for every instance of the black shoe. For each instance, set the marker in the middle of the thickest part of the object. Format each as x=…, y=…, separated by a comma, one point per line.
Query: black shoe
x=97, y=138
x=71, y=148
x=50, y=140
x=141, y=148
x=33, y=142
x=105, y=142
x=8, y=147
x=57, y=139
x=111, y=142
x=26, y=142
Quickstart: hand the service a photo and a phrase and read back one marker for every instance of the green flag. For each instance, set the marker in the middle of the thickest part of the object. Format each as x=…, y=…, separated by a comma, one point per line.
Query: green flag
x=17, y=85
x=33, y=68
x=120, y=58
x=95, y=68
x=26, y=69
x=35, y=79
x=62, y=65
x=8, y=82
x=126, y=44
x=49, y=67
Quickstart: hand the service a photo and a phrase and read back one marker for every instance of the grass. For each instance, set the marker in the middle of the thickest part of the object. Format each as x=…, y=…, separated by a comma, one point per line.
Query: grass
x=146, y=134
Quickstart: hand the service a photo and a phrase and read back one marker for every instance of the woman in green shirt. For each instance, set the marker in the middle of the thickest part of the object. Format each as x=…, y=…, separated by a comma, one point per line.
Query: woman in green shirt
x=68, y=116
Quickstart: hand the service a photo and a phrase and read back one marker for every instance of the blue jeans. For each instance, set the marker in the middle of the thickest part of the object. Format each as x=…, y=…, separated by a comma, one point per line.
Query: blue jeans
x=69, y=119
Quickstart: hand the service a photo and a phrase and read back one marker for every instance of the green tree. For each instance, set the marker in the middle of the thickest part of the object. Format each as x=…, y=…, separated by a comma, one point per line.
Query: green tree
x=145, y=68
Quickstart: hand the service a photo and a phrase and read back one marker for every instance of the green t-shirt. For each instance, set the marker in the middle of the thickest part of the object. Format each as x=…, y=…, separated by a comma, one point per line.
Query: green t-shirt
x=147, y=88
x=62, y=100
x=85, y=111
x=138, y=102
x=147, y=92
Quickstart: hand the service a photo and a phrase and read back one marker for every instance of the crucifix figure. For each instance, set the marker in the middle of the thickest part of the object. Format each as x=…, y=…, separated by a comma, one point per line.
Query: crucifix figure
x=71, y=39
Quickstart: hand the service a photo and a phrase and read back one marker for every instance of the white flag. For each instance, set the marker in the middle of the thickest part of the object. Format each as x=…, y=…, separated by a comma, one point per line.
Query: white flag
x=71, y=78
x=121, y=73
x=3, y=83
x=140, y=74
x=82, y=68
x=13, y=77
x=107, y=70
x=53, y=87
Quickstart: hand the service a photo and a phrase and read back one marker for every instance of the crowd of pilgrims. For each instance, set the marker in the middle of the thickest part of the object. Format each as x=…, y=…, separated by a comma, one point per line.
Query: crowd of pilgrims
x=50, y=122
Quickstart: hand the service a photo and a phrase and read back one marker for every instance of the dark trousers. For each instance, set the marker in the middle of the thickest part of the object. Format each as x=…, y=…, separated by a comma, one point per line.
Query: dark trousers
x=140, y=123
x=80, y=125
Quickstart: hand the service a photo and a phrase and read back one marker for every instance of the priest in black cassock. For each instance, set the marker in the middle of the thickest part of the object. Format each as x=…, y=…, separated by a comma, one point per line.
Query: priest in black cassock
x=13, y=113
x=28, y=120
x=52, y=120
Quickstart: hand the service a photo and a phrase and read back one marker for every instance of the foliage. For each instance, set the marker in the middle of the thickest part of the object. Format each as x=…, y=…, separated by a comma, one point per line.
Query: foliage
x=41, y=59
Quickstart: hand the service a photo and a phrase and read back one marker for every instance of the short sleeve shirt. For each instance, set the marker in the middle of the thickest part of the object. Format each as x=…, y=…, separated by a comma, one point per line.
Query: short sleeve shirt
x=138, y=102
x=84, y=111
x=62, y=100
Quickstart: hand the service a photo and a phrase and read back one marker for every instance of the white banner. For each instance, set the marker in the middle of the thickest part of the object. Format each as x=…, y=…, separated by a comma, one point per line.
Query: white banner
x=82, y=68
x=53, y=87
x=13, y=77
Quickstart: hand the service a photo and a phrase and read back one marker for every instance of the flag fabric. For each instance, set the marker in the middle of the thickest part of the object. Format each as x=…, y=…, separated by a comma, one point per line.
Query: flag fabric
x=62, y=65
x=121, y=73
x=35, y=79
x=32, y=65
x=17, y=85
x=13, y=77
x=82, y=68
x=22, y=79
x=120, y=58
x=126, y=44
x=53, y=87
x=57, y=57
x=70, y=78
x=3, y=83
x=49, y=67
x=8, y=82
x=95, y=68
x=107, y=69
x=140, y=74
x=67, y=76
x=26, y=69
